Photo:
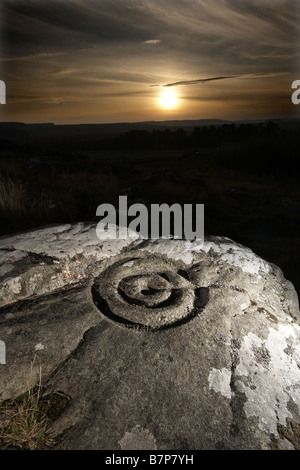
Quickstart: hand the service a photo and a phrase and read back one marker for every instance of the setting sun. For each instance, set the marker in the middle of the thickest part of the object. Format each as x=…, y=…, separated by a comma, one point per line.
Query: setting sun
x=168, y=99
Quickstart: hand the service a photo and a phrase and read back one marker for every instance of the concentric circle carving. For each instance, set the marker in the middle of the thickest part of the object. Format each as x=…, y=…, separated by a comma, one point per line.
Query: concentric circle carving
x=148, y=292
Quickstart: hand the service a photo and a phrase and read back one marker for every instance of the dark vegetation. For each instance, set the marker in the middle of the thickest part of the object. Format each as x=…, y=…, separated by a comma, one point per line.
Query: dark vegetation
x=246, y=174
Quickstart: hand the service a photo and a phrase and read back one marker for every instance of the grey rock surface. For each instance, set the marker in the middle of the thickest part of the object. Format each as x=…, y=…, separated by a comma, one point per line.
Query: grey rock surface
x=43, y=260
x=159, y=344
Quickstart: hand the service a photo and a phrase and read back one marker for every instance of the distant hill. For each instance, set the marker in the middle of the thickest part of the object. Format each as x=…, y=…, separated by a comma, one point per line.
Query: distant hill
x=28, y=132
x=48, y=132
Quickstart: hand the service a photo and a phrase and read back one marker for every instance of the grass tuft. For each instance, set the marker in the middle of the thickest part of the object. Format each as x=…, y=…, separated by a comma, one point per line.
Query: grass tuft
x=24, y=425
x=12, y=196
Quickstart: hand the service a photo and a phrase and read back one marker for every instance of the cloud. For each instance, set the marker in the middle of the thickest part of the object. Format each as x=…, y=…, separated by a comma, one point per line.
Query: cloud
x=199, y=80
x=60, y=73
x=39, y=55
x=152, y=42
x=211, y=79
x=13, y=99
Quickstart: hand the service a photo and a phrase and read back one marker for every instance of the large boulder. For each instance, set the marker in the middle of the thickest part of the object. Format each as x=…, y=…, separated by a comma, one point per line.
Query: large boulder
x=158, y=344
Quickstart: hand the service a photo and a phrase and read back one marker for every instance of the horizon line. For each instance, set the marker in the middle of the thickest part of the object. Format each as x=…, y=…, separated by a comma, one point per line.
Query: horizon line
x=152, y=121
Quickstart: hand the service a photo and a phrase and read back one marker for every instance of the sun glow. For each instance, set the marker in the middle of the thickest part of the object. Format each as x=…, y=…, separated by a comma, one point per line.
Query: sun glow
x=168, y=99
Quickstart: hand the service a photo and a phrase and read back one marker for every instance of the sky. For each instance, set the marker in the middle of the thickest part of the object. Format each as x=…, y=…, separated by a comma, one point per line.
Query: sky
x=103, y=61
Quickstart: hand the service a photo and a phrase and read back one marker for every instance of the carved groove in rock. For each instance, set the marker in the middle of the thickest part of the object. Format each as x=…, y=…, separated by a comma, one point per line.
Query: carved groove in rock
x=148, y=292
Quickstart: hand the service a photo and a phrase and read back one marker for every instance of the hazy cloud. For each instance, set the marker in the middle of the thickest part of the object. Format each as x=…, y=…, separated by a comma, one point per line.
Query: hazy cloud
x=30, y=99
x=152, y=42
x=39, y=55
